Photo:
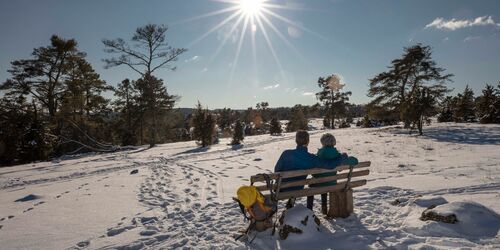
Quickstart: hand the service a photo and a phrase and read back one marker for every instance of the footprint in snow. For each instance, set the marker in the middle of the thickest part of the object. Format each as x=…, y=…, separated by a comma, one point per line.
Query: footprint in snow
x=39, y=203
x=83, y=243
x=29, y=209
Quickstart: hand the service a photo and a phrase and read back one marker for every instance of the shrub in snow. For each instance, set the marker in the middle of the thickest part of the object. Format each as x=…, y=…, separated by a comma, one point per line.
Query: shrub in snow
x=275, y=127
x=238, y=133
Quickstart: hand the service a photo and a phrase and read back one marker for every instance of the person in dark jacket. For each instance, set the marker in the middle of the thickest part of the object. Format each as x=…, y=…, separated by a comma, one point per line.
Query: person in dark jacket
x=301, y=159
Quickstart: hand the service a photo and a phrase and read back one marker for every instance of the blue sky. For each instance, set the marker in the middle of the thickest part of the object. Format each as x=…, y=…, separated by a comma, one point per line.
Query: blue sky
x=356, y=39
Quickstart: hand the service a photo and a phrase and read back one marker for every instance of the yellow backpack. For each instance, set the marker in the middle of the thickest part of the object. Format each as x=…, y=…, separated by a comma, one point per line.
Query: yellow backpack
x=252, y=201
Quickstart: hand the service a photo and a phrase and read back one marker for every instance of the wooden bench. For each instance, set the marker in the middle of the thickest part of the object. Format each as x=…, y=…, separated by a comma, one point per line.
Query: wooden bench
x=340, y=195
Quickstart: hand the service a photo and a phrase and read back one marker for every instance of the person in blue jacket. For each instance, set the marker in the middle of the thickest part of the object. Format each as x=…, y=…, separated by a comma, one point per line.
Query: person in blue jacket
x=301, y=159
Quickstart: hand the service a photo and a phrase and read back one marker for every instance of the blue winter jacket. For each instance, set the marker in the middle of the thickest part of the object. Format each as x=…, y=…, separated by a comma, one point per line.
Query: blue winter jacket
x=300, y=159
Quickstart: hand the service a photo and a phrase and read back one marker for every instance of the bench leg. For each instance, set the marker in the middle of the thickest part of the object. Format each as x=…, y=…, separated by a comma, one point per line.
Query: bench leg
x=349, y=202
x=341, y=204
x=333, y=210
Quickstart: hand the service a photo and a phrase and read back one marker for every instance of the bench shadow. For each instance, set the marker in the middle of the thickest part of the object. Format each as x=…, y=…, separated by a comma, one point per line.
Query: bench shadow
x=194, y=150
x=351, y=233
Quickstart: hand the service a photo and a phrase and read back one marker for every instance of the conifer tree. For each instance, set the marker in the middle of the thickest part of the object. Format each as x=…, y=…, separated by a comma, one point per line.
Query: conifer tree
x=366, y=123
x=238, y=133
x=465, y=110
x=398, y=90
x=147, y=52
x=42, y=77
x=126, y=95
x=154, y=101
x=447, y=107
x=275, y=127
x=204, y=126
x=485, y=105
x=298, y=120
x=335, y=101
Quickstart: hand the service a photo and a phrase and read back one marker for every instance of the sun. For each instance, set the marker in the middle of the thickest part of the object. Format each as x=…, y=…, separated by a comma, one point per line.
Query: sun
x=251, y=8
x=255, y=18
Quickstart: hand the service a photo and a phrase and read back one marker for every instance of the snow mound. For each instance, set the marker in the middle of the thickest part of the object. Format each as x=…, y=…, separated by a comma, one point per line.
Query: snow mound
x=433, y=201
x=474, y=221
x=310, y=234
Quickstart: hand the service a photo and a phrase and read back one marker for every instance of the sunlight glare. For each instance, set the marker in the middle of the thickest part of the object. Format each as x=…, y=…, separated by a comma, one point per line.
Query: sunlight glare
x=251, y=7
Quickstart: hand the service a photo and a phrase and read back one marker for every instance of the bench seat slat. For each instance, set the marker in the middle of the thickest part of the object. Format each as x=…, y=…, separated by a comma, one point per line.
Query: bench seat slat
x=318, y=190
x=316, y=180
x=289, y=174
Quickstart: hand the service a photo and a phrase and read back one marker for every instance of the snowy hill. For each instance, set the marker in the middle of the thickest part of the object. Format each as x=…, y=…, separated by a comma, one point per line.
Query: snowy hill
x=181, y=195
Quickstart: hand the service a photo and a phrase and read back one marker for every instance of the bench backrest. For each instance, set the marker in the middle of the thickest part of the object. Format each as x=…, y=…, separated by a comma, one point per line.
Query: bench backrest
x=346, y=176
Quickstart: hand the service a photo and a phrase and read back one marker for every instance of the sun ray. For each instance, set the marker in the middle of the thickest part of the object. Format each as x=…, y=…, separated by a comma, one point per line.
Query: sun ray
x=285, y=7
x=231, y=17
x=209, y=14
x=224, y=40
x=227, y=1
x=286, y=20
x=280, y=35
x=255, y=16
x=253, y=30
x=238, y=50
x=270, y=45
x=277, y=6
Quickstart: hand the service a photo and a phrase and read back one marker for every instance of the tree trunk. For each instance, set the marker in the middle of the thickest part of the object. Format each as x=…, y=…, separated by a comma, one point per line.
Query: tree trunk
x=332, y=112
x=152, y=143
x=420, y=121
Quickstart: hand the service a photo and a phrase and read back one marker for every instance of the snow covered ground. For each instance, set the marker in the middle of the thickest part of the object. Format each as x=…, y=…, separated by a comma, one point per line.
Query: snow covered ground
x=181, y=195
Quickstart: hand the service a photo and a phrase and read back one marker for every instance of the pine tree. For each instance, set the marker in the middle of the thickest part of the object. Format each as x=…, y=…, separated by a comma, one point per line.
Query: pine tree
x=366, y=123
x=275, y=128
x=447, y=109
x=238, y=133
x=335, y=101
x=395, y=91
x=125, y=104
x=485, y=105
x=42, y=77
x=496, y=104
x=465, y=110
x=147, y=52
x=154, y=101
x=419, y=107
x=298, y=120
x=263, y=109
x=204, y=126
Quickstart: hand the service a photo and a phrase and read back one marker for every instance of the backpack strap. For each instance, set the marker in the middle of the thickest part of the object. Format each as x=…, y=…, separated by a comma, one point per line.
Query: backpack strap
x=242, y=209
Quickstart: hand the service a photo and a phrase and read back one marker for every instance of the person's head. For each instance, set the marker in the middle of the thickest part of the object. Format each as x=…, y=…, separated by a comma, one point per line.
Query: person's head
x=302, y=138
x=328, y=140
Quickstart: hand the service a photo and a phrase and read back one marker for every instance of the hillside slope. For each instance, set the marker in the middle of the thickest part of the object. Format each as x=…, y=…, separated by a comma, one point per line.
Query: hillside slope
x=181, y=195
